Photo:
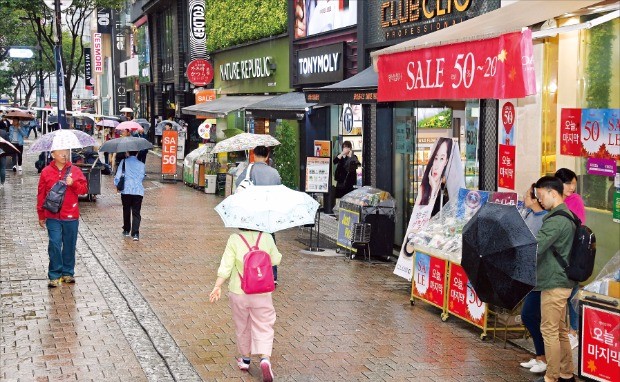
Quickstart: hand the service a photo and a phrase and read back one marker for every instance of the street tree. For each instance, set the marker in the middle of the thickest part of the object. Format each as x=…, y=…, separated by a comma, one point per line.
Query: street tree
x=40, y=18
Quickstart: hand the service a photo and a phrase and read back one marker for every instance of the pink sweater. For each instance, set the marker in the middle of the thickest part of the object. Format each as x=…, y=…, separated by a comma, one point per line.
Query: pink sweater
x=575, y=204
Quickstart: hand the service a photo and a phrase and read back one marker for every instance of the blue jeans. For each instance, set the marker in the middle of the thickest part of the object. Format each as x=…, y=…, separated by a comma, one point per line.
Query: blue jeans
x=530, y=315
x=2, y=169
x=61, y=249
x=573, y=314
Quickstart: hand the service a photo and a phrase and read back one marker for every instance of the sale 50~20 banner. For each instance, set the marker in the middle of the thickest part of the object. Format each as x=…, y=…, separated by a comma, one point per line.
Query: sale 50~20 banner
x=500, y=68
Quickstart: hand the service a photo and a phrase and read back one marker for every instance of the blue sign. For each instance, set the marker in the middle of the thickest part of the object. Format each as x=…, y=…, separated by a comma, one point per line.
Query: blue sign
x=346, y=220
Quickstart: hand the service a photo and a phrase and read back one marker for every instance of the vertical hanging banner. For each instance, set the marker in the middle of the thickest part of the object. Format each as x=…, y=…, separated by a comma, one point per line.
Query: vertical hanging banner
x=169, y=146
x=87, y=70
x=570, y=132
x=104, y=20
x=500, y=68
x=197, y=30
x=506, y=167
x=97, y=53
x=445, y=161
x=60, y=89
x=119, y=55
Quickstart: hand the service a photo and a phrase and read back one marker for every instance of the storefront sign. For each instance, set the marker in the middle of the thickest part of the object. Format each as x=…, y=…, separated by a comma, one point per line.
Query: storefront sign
x=87, y=69
x=313, y=17
x=346, y=220
x=104, y=20
x=600, y=132
x=570, y=132
x=508, y=116
x=169, y=146
x=197, y=30
x=322, y=149
x=506, y=167
x=199, y=72
x=246, y=69
x=463, y=301
x=429, y=279
x=340, y=97
x=601, y=166
x=320, y=65
x=97, y=54
x=505, y=198
x=317, y=174
x=500, y=68
x=600, y=344
x=119, y=55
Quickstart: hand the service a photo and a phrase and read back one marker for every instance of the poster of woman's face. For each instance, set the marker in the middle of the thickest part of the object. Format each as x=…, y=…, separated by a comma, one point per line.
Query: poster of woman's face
x=435, y=171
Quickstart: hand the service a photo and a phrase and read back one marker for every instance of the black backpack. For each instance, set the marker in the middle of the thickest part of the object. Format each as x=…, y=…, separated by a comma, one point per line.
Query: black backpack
x=54, y=198
x=583, y=251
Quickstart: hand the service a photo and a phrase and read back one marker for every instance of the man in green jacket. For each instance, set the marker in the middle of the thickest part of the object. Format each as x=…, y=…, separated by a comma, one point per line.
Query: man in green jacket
x=557, y=234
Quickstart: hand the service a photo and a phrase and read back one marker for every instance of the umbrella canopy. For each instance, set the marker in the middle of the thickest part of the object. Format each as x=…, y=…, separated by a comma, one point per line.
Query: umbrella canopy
x=244, y=141
x=267, y=209
x=121, y=145
x=162, y=125
x=129, y=125
x=126, y=110
x=499, y=255
x=144, y=123
x=18, y=114
x=107, y=123
x=63, y=139
x=7, y=147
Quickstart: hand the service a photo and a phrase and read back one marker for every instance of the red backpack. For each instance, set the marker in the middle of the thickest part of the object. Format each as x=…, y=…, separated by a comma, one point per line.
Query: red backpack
x=257, y=271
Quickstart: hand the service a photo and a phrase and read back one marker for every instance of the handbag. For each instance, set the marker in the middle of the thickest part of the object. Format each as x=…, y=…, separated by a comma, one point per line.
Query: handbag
x=247, y=181
x=121, y=182
x=56, y=195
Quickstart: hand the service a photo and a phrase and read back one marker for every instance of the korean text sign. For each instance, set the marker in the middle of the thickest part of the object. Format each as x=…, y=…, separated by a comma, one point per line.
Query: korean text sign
x=429, y=278
x=463, y=301
x=500, y=68
x=600, y=344
x=506, y=167
x=169, y=148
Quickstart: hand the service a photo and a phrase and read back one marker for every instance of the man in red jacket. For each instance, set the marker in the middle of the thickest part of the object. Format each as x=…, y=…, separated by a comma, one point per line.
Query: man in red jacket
x=62, y=227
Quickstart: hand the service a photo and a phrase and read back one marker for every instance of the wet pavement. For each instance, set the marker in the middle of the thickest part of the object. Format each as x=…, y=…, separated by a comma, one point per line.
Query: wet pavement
x=139, y=311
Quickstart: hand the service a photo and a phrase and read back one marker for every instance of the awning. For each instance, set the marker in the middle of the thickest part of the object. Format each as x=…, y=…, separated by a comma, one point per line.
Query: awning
x=220, y=107
x=361, y=88
x=510, y=18
x=286, y=106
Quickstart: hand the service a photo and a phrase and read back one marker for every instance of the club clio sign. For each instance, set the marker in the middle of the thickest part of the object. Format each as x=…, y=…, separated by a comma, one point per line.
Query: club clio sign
x=197, y=29
x=320, y=65
x=247, y=69
x=411, y=18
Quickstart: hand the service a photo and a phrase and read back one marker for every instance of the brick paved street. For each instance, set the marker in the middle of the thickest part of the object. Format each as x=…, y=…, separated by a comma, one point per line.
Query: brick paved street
x=139, y=310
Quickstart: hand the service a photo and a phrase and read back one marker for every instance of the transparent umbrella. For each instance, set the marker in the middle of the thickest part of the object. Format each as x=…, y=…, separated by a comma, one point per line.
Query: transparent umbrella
x=63, y=139
x=244, y=141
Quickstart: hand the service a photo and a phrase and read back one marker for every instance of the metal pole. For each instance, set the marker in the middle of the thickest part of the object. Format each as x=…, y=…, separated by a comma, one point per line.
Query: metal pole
x=60, y=84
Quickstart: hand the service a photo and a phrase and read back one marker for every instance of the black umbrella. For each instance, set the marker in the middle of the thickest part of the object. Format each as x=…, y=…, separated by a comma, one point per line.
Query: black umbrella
x=499, y=255
x=121, y=145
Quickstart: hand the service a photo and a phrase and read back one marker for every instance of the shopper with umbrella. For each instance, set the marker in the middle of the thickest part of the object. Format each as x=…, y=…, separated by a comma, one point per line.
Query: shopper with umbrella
x=6, y=148
x=132, y=173
x=17, y=133
x=62, y=226
x=556, y=234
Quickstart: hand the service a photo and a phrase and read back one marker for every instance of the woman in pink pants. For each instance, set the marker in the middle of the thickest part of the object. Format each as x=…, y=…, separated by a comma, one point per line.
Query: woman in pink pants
x=253, y=314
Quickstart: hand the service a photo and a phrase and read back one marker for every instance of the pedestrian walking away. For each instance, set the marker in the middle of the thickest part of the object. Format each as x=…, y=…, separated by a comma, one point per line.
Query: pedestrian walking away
x=261, y=174
x=5, y=135
x=554, y=285
x=132, y=193
x=254, y=315
x=17, y=133
x=62, y=226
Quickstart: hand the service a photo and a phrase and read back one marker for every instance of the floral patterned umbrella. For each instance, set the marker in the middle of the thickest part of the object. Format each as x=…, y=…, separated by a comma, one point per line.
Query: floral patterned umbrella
x=267, y=209
x=63, y=139
x=129, y=125
x=244, y=141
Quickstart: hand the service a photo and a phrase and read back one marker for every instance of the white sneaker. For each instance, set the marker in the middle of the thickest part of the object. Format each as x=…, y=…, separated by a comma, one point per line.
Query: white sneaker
x=19, y=168
x=540, y=367
x=529, y=364
x=574, y=340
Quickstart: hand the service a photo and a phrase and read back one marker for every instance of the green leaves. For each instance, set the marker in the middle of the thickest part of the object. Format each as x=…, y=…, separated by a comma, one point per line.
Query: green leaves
x=285, y=155
x=232, y=22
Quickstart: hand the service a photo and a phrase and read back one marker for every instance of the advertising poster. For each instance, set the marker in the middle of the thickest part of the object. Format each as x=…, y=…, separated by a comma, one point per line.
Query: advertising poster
x=600, y=166
x=506, y=167
x=346, y=219
x=313, y=17
x=169, y=146
x=600, y=133
x=317, y=174
x=322, y=149
x=507, y=118
x=505, y=198
x=445, y=161
x=469, y=202
x=462, y=299
x=404, y=136
x=429, y=279
x=570, y=132
x=600, y=344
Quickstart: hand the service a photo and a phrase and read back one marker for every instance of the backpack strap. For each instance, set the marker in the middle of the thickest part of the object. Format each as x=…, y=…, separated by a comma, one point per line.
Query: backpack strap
x=258, y=239
x=245, y=241
x=123, y=167
x=577, y=223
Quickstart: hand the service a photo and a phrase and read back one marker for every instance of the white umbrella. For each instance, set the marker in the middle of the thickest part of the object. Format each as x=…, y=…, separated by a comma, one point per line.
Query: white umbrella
x=63, y=139
x=244, y=141
x=267, y=209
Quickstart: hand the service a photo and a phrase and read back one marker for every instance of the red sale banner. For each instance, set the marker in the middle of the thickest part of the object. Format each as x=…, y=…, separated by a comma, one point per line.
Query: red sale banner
x=506, y=167
x=600, y=344
x=429, y=279
x=570, y=132
x=462, y=299
x=500, y=67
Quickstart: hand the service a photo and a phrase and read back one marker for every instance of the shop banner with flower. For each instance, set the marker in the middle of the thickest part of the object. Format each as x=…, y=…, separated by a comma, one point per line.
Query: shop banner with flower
x=499, y=68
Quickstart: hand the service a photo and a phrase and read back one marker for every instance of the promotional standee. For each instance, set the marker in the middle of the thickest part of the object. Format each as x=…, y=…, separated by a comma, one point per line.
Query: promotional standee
x=169, y=153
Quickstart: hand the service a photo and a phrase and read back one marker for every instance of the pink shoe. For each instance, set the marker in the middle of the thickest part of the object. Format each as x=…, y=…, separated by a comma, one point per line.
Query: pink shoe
x=265, y=366
x=242, y=365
